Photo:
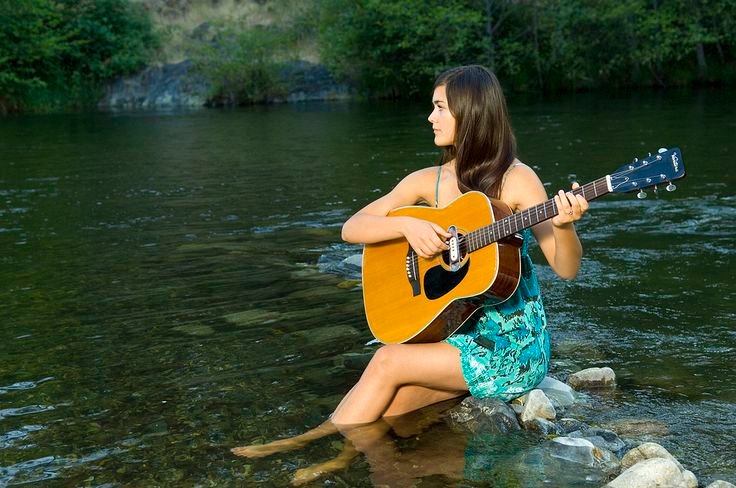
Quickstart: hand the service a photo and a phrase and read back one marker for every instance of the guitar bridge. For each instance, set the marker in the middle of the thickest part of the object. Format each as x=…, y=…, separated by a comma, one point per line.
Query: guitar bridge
x=412, y=271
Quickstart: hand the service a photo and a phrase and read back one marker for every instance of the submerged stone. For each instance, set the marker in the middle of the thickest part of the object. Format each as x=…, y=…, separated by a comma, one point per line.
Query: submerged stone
x=582, y=451
x=605, y=439
x=487, y=415
x=253, y=317
x=194, y=329
x=348, y=284
x=638, y=428
x=321, y=335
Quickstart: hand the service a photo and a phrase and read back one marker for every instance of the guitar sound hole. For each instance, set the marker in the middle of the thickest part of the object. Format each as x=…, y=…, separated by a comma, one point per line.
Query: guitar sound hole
x=438, y=282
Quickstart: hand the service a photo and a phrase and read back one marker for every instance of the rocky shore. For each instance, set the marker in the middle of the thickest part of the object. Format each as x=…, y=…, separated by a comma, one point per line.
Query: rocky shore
x=177, y=85
x=574, y=448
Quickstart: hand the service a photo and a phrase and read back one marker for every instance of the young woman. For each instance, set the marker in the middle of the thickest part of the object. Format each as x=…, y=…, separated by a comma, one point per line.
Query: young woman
x=502, y=352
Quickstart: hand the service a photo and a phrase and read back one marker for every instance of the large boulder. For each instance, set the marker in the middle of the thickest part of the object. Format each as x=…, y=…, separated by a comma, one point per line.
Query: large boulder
x=654, y=472
x=171, y=85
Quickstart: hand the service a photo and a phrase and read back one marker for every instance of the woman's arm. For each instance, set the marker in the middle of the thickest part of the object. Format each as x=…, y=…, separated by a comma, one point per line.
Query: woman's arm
x=556, y=237
x=371, y=224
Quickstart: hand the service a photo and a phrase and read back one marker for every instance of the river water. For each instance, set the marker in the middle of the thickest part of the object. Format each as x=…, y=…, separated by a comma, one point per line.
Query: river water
x=173, y=284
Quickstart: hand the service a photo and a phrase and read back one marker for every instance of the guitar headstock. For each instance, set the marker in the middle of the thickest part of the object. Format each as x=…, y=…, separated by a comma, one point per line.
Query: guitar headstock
x=656, y=169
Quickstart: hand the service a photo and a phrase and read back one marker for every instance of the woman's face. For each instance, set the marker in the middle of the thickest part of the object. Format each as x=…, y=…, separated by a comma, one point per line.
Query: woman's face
x=442, y=120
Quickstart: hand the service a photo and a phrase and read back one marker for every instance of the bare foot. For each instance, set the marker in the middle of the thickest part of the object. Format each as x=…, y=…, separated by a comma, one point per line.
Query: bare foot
x=305, y=475
x=262, y=450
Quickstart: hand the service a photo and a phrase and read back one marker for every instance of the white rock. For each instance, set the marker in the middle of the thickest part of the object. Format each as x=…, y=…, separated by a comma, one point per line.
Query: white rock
x=576, y=450
x=721, y=484
x=354, y=260
x=537, y=405
x=648, y=450
x=561, y=394
x=651, y=473
x=592, y=378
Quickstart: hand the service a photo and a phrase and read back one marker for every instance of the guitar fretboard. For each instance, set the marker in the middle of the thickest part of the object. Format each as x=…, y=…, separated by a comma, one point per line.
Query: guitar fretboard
x=526, y=218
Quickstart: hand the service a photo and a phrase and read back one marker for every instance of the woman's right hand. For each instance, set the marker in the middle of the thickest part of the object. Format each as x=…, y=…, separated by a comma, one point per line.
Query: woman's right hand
x=425, y=237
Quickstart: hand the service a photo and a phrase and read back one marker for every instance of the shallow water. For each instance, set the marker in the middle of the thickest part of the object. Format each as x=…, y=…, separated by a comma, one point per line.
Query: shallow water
x=173, y=284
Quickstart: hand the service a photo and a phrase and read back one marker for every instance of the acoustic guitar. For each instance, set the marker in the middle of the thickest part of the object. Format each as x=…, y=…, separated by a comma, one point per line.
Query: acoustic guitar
x=409, y=299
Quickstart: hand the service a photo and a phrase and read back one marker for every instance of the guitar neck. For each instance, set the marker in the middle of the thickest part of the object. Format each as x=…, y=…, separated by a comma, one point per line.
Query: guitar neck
x=531, y=216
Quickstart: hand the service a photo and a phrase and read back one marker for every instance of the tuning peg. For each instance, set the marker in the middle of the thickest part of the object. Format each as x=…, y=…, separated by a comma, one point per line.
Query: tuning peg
x=661, y=150
x=670, y=187
x=641, y=195
x=656, y=190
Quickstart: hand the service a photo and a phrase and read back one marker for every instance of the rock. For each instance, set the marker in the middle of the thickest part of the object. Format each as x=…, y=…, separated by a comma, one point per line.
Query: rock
x=253, y=317
x=581, y=451
x=654, y=472
x=356, y=261
x=721, y=484
x=321, y=335
x=605, y=439
x=558, y=392
x=638, y=428
x=647, y=450
x=592, y=378
x=571, y=425
x=537, y=405
x=563, y=462
x=349, y=284
x=543, y=426
x=486, y=415
x=194, y=329
x=316, y=293
x=353, y=360
x=307, y=81
x=164, y=86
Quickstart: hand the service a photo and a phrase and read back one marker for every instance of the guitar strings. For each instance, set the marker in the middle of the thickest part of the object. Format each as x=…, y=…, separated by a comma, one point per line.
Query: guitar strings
x=476, y=239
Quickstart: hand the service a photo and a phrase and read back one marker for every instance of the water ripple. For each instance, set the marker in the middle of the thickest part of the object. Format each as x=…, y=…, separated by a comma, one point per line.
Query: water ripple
x=27, y=410
x=24, y=385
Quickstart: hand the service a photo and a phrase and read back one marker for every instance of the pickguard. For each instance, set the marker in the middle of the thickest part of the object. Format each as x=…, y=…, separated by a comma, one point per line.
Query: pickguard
x=438, y=281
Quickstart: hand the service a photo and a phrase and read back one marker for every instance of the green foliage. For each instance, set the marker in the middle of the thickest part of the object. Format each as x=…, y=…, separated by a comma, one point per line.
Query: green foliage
x=242, y=66
x=395, y=47
x=57, y=53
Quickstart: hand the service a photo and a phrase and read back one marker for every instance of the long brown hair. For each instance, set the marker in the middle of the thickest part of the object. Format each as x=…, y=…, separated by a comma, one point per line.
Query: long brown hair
x=485, y=145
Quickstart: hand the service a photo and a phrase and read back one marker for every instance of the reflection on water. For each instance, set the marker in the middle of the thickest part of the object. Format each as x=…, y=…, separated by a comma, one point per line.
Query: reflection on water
x=174, y=284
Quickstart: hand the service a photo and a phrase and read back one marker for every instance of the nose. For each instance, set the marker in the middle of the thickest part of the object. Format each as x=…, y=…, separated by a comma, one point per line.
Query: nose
x=429, y=117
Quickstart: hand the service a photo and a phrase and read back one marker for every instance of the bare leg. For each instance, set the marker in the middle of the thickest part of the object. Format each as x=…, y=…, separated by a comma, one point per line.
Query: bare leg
x=434, y=367
x=305, y=475
x=296, y=442
x=400, y=378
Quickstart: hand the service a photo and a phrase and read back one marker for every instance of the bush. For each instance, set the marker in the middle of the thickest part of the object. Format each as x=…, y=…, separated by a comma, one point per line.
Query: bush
x=58, y=53
x=242, y=66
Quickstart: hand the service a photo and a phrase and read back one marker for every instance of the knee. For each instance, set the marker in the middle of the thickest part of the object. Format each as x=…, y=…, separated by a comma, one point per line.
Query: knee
x=385, y=360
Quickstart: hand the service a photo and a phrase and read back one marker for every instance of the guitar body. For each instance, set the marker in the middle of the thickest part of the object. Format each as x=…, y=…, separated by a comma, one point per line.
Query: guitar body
x=412, y=299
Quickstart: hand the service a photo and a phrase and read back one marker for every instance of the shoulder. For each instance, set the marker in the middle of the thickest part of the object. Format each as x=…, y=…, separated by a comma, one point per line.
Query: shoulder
x=416, y=187
x=420, y=182
x=522, y=187
x=423, y=175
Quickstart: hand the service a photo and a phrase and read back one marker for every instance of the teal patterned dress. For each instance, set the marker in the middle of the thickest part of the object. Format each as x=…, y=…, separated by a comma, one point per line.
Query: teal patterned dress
x=505, y=348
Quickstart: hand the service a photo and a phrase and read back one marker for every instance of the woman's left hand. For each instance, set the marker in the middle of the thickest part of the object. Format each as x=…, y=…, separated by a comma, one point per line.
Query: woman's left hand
x=571, y=207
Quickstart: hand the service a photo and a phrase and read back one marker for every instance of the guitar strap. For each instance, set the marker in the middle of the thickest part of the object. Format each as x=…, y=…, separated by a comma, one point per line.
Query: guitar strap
x=437, y=188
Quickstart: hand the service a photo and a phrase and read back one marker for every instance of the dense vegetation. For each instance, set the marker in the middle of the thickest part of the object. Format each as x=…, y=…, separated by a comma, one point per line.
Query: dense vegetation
x=55, y=54
x=58, y=53
x=396, y=47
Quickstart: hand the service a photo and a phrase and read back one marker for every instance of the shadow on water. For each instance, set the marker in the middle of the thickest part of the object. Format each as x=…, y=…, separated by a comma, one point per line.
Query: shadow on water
x=174, y=284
